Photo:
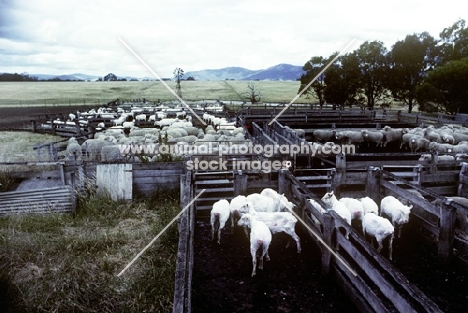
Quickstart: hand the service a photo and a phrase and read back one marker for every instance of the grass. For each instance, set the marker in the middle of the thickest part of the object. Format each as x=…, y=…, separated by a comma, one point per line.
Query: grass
x=96, y=93
x=69, y=263
x=19, y=146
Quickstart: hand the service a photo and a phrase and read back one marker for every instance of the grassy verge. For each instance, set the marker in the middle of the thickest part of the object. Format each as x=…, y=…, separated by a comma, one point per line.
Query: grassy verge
x=69, y=263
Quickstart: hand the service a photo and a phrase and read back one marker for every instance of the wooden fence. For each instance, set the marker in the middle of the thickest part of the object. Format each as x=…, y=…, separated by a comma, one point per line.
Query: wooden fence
x=371, y=281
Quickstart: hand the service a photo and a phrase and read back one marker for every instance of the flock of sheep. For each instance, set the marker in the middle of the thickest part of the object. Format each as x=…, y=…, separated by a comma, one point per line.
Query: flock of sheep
x=106, y=146
x=264, y=213
x=268, y=212
x=449, y=139
x=381, y=224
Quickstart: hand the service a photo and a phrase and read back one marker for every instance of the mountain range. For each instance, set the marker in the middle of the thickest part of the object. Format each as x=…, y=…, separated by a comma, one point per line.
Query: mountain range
x=277, y=72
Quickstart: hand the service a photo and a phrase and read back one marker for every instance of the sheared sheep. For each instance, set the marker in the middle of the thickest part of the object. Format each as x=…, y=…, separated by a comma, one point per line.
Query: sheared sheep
x=260, y=238
x=379, y=228
x=219, y=215
x=397, y=212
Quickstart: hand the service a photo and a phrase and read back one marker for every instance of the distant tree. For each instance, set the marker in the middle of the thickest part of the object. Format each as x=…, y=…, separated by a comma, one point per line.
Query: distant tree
x=446, y=86
x=190, y=78
x=454, y=41
x=372, y=60
x=110, y=77
x=178, y=74
x=342, y=81
x=409, y=60
x=252, y=94
x=312, y=69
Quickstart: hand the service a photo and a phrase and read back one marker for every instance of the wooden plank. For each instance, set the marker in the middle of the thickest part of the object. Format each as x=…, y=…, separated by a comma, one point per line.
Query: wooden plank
x=157, y=172
x=423, y=203
x=360, y=293
x=377, y=276
x=213, y=182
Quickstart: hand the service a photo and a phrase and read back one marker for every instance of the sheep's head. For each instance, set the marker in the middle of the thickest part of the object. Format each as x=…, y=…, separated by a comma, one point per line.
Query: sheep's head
x=329, y=197
x=245, y=220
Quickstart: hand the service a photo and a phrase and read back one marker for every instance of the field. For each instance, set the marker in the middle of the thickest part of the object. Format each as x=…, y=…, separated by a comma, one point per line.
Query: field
x=27, y=94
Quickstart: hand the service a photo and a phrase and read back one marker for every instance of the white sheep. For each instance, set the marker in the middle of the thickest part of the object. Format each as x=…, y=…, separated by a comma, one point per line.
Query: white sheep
x=73, y=150
x=339, y=207
x=260, y=238
x=111, y=153
x=379, y=228
x=263, y=203
x=392, y=134
x=369, y=205
x=280, y=222
x=372, y=136
x=324, y=135
x=354, y=206
x=350, y=137
x=219, y=215
x=239, y=206
x=397, y=212
x=418, y=143
x=283, y=203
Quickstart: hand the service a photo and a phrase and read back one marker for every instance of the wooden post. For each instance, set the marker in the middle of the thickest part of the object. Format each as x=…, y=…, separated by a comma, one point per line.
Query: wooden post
x=340, y=174
x=446, y=232
x=62, y=174
x=284, y=184
x=373, y=183
x=462, y=179
x=328, y=225
x=240, y=183
x=33, y=126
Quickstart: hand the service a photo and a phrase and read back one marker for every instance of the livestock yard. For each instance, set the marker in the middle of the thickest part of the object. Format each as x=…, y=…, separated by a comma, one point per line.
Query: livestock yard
x=130, y=148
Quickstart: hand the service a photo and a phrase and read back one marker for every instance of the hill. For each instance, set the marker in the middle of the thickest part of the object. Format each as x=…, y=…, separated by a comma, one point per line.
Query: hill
x=277, y=72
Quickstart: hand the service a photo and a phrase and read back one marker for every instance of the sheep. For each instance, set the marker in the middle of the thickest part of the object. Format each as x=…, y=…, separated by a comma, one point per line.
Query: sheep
x=111, y=153
x=73, y=150
x=324, y=135
x=140, y=117
x=219, y=215
x=92, y=148
x=440, y=147
x=339, y=207
x=369, y=205
x=396, y=211
x=418, y=143
x=350, y=137
x=239, y=206
x=372, y=136
x=354, y=206
x=392, y=135
x=263, y=203
x=280, y=222
x=283, y=203
x=260, y=238
x=379, y=228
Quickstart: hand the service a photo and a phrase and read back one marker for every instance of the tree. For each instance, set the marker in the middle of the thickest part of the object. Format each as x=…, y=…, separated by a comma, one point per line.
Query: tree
x=342, y=80
x=454, y=41
x=372, y=60
x=110, y=77
x=317, y=88
x=252, y=94
x=409, y=60
x=446, y=85
x=178, y=74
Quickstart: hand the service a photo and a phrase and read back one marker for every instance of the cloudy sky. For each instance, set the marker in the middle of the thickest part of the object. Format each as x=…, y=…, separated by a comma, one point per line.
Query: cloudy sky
x=64, y=37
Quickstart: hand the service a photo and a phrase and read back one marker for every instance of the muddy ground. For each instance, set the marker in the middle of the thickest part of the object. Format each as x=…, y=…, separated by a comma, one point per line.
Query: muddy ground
x=292, y=282
x=289, y=282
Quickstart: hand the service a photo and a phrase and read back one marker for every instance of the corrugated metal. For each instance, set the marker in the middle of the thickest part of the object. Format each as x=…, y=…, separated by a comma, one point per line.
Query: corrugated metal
x=39, y=183
x=49, y=200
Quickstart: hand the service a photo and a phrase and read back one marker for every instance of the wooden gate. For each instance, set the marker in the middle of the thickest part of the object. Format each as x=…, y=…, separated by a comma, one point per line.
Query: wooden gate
x=116, y=179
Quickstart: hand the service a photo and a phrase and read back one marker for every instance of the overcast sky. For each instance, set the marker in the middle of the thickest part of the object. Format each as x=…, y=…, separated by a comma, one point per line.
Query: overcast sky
x=64, y=37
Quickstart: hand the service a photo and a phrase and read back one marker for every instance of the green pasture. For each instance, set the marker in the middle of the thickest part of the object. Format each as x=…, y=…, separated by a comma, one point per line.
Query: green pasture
x=96, y=93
